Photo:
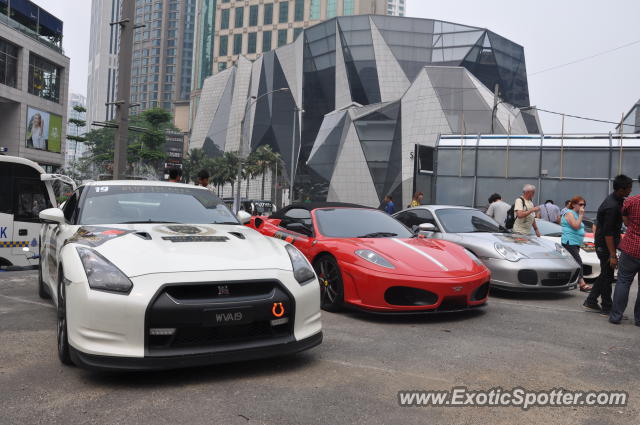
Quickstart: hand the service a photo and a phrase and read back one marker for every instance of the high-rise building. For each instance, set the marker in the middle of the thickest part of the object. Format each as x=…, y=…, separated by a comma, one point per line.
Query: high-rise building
x=75, y=150
x=34, y=80
x=227, y=29
x=396, y=7
x=162, y=55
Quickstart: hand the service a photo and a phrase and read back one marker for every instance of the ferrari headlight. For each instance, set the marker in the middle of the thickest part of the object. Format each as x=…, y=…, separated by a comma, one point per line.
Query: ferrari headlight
x=374, y=257
x=101, y=274
x=560, y=250
x=302, y=270
x=474, y=257
x=508, y=253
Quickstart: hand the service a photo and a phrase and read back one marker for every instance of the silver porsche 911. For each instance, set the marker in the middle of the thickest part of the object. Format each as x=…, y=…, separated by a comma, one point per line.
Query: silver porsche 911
x=517, y=262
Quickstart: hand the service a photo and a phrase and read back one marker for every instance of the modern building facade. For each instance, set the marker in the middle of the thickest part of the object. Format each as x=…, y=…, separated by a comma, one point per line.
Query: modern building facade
x=361, y=93
x=75, y=150
x=162, y=55
x=228, y=29
x=396, y=7
x=631, y=121
x=34, y=77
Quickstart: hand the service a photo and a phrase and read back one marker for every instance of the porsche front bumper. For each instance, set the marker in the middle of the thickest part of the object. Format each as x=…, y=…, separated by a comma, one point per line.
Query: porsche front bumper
x=186, y=319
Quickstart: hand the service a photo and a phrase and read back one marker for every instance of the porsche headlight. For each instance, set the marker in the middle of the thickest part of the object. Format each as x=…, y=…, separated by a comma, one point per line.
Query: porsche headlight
x=302, y=270
x=474, y=257
x=101, y=274
x=560, y=250
x=374, y=257
x=508, y=253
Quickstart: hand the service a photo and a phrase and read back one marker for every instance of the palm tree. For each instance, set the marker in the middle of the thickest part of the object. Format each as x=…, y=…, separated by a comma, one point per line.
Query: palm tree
x=195, y=161
x=266, y=159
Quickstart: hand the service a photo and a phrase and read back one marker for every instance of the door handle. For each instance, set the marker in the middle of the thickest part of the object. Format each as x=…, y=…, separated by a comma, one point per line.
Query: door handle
x=23, y=232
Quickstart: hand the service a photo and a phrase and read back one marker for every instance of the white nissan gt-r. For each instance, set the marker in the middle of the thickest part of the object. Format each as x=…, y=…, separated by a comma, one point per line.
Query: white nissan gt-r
x=152, y=275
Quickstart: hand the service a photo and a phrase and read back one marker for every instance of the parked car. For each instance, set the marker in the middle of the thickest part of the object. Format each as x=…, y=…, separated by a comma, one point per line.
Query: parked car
x=367, y=260
x=153, y=275
x=517, y=263
x=590, y=261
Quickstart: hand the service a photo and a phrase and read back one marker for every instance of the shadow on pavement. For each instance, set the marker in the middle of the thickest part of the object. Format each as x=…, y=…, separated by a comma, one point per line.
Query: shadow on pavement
x=502, y=294
x=415, y=318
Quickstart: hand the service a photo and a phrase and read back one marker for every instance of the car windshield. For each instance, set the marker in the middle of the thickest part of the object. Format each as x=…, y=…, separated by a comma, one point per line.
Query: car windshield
x=359, y=223
x=548, y=228
x=459, y=220
x=118, y=204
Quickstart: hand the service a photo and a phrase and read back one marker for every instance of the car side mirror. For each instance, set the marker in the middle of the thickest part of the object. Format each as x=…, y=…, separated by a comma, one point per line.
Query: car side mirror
x=243, y=216
x=427, y=227
x=299, y=228
x=52, y=216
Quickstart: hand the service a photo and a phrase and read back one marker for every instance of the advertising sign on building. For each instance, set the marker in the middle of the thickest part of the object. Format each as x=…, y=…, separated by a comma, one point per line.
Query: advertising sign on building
x=44, y=130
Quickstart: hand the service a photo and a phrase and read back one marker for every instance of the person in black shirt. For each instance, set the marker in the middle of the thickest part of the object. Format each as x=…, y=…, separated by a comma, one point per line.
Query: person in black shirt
x=607, y=239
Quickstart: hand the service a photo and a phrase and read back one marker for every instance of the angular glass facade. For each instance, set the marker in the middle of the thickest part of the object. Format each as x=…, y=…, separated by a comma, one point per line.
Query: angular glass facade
x=372, y=88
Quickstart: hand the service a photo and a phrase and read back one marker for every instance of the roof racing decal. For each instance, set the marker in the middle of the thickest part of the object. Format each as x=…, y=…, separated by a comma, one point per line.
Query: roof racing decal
x=94, y=236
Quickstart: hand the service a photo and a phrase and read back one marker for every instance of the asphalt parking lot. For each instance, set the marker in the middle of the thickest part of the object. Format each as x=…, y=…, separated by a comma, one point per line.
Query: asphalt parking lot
x=532, y=341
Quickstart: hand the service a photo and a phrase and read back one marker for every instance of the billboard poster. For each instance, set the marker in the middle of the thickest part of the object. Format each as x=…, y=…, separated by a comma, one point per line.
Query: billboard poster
x=44, y=130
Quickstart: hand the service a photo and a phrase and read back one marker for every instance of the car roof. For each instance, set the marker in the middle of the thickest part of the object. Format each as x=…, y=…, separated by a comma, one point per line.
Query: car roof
x=310, y=206
x=443, y=207
x=23, y=161
x=142, y=183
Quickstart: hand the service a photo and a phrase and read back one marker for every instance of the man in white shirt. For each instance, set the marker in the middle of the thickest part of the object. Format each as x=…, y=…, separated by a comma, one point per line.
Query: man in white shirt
x=525, y=212
x=498, y=209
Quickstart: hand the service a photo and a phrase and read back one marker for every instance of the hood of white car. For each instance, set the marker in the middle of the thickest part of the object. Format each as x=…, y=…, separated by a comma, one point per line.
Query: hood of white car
x=139, y=249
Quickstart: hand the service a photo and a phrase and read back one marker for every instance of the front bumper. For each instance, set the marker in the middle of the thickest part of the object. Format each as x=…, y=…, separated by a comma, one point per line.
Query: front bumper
x=534, y=275
x=111, y=363
x=378, y=292
x=104, y=325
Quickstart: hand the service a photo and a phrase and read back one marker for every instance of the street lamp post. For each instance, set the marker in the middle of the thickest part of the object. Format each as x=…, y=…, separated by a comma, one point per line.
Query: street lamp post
x=250, y=102
x=296, y=111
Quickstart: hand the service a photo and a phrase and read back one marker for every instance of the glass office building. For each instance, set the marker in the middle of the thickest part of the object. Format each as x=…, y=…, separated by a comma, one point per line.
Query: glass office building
x=372, y=88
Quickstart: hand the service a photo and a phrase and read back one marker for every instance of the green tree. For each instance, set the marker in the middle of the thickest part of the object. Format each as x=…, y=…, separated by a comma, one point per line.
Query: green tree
x=77, y=123
x=194, y=161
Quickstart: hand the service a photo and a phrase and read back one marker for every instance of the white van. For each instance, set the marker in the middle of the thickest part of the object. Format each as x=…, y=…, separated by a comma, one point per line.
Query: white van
x=23, y=194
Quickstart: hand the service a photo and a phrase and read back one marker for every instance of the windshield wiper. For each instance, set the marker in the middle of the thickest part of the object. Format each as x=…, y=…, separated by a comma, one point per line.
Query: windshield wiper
x=148, y=221
x=378, y=235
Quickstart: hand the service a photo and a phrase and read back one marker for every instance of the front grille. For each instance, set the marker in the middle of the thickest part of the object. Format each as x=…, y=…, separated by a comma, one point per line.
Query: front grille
x=528, y=277
x=407, y=296
x=218, y=316
x=458, y=302
x=480, y=293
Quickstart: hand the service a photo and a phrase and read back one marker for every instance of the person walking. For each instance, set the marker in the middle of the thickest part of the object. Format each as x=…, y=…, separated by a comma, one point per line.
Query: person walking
x=525, y=212
x=629, y=263
x=550, y=212
x=573, y=233
x=498, y=209
x=389, y=206
x=417, y=200
x=607, y=239
x=203, y=178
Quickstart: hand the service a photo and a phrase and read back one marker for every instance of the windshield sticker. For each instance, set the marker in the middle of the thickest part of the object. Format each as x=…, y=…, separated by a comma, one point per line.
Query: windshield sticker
x=101, y=189
x=94, y=236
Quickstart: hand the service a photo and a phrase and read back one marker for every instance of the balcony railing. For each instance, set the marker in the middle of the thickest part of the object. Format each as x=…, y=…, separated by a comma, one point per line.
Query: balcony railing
x=31, y=33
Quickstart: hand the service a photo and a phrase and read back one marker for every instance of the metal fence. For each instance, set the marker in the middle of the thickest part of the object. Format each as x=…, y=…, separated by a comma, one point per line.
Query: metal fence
x=468, y=169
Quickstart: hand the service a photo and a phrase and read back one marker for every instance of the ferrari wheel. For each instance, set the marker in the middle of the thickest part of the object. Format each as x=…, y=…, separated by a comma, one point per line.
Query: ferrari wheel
x=331, y=287
x=42, y=291
x=63, y=340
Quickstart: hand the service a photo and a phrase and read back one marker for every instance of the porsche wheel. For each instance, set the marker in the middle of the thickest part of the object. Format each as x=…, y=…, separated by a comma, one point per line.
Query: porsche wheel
x=331, y=287
x=42, y=291
x=63, y=340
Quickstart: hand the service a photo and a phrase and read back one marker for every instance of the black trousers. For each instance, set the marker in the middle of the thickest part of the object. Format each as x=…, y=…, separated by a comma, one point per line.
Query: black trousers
x=602, y=285
x=574, y=250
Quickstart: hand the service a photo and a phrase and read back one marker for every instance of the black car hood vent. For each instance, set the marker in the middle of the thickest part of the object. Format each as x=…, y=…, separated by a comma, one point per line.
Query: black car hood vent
x=195, y=238
x=238, y=235
x=144, y=235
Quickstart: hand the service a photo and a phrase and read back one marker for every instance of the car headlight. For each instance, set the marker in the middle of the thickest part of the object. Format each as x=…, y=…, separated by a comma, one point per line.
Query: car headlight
x=101, y=274
x=508, y=253
x=374, y=257
x=302, y=270
x=474, y=257
x=560, y=250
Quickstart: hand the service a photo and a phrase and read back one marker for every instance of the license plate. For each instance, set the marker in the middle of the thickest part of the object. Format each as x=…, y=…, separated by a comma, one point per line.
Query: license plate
x=228, y=317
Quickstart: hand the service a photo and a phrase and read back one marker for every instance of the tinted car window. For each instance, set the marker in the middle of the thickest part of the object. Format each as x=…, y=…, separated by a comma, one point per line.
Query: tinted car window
x=70, y=207
x=415, y=217
x=152, y=204
x=354, y=223
x=297, y=215
x=31, y=197
x=456, y=220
